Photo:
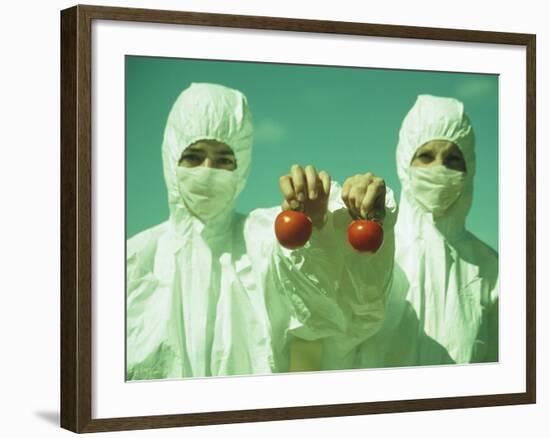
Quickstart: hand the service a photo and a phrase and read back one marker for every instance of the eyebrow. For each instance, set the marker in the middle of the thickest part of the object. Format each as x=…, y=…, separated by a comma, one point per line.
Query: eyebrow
x=195, y=149
x=192, y=149
x=453, y=149
x=422, y=150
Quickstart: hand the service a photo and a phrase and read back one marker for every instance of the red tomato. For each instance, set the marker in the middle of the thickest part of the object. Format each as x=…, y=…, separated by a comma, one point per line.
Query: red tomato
x=293, y=229
x=365, y=236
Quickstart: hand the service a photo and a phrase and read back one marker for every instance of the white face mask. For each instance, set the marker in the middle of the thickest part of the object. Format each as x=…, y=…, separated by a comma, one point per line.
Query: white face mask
x=206, y=191
x=436, y=188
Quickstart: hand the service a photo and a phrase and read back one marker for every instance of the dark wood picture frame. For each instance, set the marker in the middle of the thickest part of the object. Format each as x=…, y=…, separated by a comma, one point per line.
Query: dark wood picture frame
x=76, y=218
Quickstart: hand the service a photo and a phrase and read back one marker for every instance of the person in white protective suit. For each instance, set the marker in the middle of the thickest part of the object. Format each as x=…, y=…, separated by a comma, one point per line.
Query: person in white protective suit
x=210, y=292
x=443, y=306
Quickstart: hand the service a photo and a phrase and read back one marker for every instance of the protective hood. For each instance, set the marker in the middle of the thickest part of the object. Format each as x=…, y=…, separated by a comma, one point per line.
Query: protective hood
x=436, y=118
x=206, y=112
x=443, y=301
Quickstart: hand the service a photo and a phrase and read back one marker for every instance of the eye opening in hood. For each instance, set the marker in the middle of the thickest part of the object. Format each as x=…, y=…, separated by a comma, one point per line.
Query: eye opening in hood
x=208, y=153
x=439, y=152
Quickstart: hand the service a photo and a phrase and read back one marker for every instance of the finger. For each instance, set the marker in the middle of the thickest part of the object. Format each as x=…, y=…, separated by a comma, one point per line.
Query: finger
x=375, y=190
x=381, y=199
x=358, y=192
x=378, y=213
x=379, y=210
x=325, y=183
x=285, y=205
x=356, y=195
x=363, y=182
x=345, y=191
x=299, y=182
x=312, y=182
x=287, y=189
x=346, y=188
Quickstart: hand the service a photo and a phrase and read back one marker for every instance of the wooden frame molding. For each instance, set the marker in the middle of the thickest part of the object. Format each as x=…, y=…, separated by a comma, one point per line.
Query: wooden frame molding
x=76, y=217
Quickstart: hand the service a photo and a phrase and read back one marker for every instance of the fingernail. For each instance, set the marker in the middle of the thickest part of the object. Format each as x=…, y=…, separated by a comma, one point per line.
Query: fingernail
x=301, y=197
x=312, y=194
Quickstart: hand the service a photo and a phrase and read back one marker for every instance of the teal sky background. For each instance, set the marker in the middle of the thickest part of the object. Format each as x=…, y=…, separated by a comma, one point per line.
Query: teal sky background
x=344, y=120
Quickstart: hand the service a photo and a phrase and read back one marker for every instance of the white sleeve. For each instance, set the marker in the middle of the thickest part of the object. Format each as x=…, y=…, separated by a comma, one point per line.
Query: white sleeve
x=366, y=278
x=146, y=307
x=326, y=289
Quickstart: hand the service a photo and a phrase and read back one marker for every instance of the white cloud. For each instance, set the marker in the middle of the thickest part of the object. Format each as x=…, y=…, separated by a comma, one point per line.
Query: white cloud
x=269, y=131
x=476, y=88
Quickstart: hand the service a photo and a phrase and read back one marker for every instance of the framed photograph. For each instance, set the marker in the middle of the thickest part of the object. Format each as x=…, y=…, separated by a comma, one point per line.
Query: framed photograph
x=270, y=218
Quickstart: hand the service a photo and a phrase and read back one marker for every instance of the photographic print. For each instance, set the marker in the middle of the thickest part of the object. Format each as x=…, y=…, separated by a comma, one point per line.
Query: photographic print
x=387, y=255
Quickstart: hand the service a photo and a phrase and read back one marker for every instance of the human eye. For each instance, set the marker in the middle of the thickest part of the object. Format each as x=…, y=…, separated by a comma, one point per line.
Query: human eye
x=228, y=163
x=191, y=158
x=455, y=160
x=425, y=156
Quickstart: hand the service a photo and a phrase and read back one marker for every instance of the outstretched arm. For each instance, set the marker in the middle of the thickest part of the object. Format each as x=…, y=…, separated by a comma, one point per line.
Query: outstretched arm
x=326, y=290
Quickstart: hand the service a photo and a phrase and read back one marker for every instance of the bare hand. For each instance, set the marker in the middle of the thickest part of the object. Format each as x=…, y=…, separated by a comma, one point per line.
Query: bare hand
x=365, y=196
x=306, y=190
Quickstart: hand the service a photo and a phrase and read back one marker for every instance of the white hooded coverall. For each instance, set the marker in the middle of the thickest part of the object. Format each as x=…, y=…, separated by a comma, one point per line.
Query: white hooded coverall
x=218, y=295
x=443, y=307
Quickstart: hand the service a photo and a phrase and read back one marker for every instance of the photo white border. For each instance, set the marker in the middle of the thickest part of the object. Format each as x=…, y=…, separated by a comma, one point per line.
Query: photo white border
x=113, y=397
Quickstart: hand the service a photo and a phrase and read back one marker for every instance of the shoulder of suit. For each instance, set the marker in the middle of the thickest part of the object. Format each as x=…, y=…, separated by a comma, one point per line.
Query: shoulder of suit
x=144, y=239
